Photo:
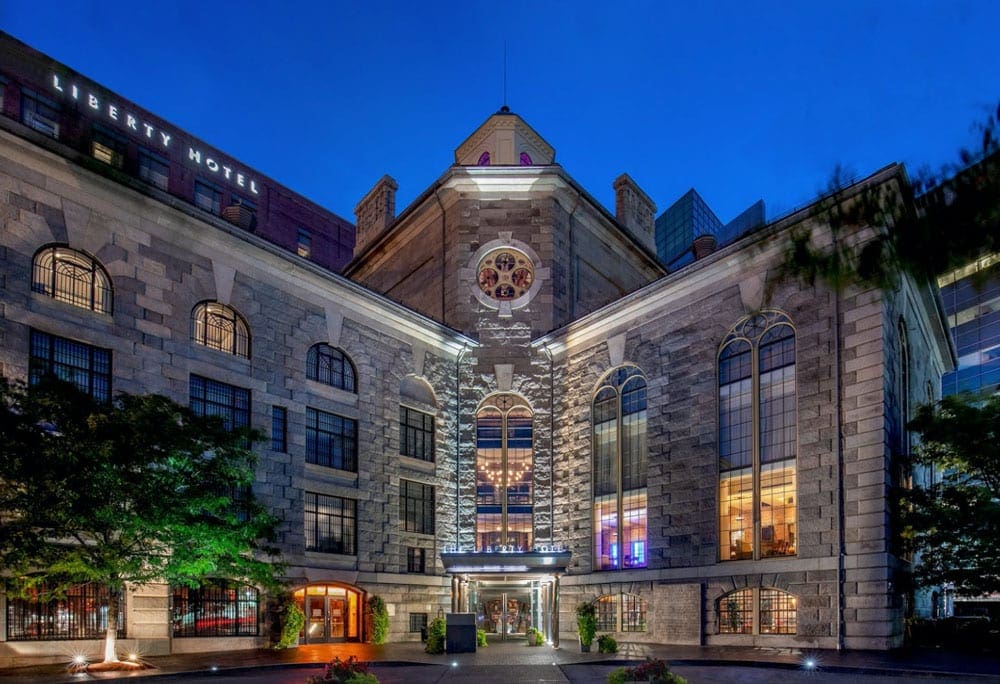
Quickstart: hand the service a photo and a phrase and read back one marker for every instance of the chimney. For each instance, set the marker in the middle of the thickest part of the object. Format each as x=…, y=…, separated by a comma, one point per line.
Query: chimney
x=374, y=213
x=703, y=245
x=635, y=211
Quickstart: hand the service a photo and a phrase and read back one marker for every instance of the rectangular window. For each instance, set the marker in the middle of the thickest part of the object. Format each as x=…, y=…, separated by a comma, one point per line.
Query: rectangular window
x=108, y=147
x=216, y=608
x=331, y=524
x=416, y=507
x=279, y=429
x=416, y=559
x=633, y=613
x=208, y=197
x=40, y=113
x=213, y=398
x=418, y=622
x=87, y=367
x=606, y=612
x=81, y=613
x=304, y=247
x=416, y=434
x=331, y=440
x=154, y=169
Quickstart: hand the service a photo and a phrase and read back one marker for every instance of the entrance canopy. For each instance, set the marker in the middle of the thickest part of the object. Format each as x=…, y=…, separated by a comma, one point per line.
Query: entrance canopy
x=506, y=563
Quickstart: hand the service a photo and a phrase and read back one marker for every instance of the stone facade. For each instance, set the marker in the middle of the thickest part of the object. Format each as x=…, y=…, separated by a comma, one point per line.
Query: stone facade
x=416, y=307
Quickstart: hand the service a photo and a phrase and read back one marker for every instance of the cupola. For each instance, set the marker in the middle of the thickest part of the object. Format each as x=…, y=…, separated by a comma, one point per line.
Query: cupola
x=504, y=139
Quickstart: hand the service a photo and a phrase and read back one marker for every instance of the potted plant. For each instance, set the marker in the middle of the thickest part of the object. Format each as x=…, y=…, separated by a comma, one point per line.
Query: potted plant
x=586, y=625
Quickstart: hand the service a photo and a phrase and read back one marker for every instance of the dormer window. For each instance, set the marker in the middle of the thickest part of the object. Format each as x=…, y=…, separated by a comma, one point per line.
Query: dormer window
x=484, y=159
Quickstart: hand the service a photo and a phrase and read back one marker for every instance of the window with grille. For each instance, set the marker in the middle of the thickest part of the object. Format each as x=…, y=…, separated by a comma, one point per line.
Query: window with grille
x=330, y=366
x=757, y=611
x=606, y=611
x=81, y=612
x=418, y=622
x=416, y=507
x=86, y=366
x=416, y=559
x=154, y=169
x=73, y=277
x=331, y=440
x=331, y=524
x=279, y=429
x=213, y=398
x=220, y=327
x=416, y=434
x=216, y=608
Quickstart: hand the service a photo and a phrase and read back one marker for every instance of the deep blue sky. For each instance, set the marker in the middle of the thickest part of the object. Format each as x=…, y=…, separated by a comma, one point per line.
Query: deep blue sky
x=739, y=103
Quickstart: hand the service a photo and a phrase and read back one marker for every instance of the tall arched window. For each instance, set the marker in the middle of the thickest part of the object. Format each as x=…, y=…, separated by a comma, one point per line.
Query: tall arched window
x=71, y=276
x=504, y=475
x=619, y=443
x=757, y=439
x=218, y=326
x=331, y=366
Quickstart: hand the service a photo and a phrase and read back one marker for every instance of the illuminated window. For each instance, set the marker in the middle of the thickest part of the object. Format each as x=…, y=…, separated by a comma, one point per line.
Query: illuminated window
x=208, y=197
x=87, y=367
x=331, y=440
x=220, y=327
x=505, y=274
x=80, y=612
x=216, y=608
x=40, y=113
x=73, y=277
x=504, y=476
x=331, y=524
x=154, y=169
x=213, y=398
x=757, y=438
x=416, y=507
x=627, y=610
x=525, y=159
x=484, y=159
x=619, y=448
x=757, y=611
x=108, y=147
x=304, y=245
x=330, y=366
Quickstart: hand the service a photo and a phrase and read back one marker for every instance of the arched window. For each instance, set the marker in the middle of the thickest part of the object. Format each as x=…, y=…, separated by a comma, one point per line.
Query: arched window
x=619, y=444
x=525, y=159
x=484, y=159
x=218, y=326
x=71, y=276
x=416, y=426
x=504, y=475
x=904, y=389
x=331, y=366
x=757, y=439
x=757, y=611
x=626, y=610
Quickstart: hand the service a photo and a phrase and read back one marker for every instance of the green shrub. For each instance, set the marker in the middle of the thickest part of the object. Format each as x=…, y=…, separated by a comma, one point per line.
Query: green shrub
x=607, y=644
x=435, y=636
x=535, y=638
x=617, y=676
x=481, y=637
x=586, y=622
x=350, y=671
x=292, y=619
x=380, y=619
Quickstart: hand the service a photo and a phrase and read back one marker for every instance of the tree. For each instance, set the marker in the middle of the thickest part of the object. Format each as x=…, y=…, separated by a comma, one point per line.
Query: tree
x=940, y=221
x=129, y=492
x=954, y=523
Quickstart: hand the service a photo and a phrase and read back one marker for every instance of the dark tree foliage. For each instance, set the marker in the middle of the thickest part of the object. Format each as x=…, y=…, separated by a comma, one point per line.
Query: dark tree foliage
x=938, y=222
x=954, y=522
x=133, y=491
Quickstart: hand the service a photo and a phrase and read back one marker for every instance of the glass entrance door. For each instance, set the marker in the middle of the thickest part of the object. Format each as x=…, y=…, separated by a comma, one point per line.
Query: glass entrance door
x=506, y=615
x=332, y=613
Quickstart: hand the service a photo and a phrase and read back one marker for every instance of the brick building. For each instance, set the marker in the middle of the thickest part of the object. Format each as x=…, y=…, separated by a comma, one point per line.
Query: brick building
x=503, y=404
